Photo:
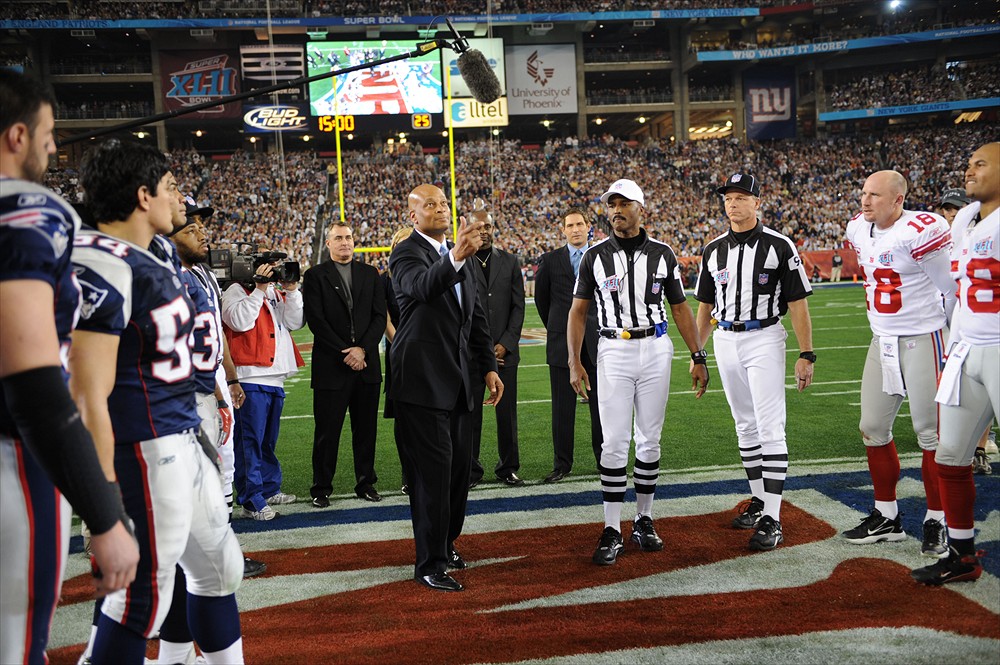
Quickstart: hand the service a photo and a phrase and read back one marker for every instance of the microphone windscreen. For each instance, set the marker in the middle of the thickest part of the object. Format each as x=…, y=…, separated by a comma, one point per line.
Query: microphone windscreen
x=479, y=76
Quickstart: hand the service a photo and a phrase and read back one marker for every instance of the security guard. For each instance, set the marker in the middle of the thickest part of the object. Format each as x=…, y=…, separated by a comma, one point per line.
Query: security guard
x=631, y=276
x=749, y=278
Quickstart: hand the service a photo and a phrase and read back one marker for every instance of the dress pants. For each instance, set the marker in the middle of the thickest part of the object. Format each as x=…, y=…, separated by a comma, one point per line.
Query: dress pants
x=329, y=410
x=506, y=413
x=437, y=447
x=564, y=402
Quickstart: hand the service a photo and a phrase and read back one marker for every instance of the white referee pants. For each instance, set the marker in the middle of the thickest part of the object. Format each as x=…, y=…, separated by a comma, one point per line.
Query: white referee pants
x=752, y=369
x=632, y=375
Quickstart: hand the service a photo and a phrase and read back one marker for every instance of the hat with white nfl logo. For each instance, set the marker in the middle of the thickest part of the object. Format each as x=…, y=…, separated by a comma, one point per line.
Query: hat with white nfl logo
x=626, y=188
x=741, y=181
x=955, y=197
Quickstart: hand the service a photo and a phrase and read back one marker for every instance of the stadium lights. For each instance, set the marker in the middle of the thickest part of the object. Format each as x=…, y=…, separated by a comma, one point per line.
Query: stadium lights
x=350, y=137
x=253, y=139
x=306, y=138
x=598, y=121
x=199, y=133
x=140, y=135
x=496, y=132
x=729, y=123
x=444, y=134
x=546, y=123
x=642, y=119
x=895, y=4
x=402, y=135
x=390, y=141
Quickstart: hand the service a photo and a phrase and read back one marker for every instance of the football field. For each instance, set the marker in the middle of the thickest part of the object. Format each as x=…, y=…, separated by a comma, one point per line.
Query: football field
x=698, y=434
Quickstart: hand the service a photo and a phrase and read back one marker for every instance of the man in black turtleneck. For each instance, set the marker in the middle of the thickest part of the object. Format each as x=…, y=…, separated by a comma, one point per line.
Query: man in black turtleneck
x=501, y=290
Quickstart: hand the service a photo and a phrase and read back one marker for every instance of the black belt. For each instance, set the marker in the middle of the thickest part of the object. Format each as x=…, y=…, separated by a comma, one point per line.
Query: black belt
x=632, y=333
x=743, y=326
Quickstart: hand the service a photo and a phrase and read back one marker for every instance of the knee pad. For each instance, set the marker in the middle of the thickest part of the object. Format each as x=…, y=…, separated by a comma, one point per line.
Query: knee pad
x=219, y=576
x=873, y=442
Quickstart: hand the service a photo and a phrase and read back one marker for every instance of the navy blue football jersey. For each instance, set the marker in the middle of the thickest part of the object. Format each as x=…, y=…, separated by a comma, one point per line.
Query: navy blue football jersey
x=37, y=228
x=206, y=339
x=129, y=292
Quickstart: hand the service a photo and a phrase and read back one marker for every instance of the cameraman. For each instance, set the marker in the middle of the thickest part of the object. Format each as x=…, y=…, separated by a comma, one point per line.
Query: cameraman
x=258, y=319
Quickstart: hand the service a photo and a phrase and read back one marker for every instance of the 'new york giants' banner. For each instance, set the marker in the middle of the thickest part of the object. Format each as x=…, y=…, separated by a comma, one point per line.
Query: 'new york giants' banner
x=769, y=96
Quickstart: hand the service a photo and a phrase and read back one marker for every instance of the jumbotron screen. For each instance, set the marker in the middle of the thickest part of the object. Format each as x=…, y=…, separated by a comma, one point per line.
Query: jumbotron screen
x=403, y=87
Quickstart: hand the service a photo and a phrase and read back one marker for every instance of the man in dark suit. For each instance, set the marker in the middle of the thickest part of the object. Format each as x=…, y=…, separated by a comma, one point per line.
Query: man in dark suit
x=441, y=338
x=501, y=290
x=344, y=304
x=553, y=297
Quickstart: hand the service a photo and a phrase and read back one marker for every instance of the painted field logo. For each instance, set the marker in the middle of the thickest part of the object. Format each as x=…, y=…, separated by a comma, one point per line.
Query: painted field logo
x=203, y=80
x=770, y=104
x=538, y=71
x=275, y=118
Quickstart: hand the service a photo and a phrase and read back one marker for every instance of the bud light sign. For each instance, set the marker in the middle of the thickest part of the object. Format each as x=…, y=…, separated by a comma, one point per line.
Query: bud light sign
x=275, y=118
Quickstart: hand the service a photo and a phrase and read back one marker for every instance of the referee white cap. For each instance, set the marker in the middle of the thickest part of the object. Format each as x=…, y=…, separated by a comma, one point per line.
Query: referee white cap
x=626, y=188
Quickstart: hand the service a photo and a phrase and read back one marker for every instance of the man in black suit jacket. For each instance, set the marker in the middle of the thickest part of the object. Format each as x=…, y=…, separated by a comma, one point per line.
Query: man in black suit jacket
x=554, y=284
x=441, y=338
x=501, y=290
x=345, y=308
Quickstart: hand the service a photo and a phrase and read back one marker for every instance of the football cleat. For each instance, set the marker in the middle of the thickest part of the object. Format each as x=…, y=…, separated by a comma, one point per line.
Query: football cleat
x=935, y=542
x=608, y=547
x=749, y=511
x=767, y=535
x=875, y=528
x=954, y=568
x=644, y=535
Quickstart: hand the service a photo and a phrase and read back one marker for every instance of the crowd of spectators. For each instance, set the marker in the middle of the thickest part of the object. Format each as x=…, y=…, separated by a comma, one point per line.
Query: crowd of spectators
x=811, y=187
x=167, y=9
x=632, y=95
x=911, y=84
x=90, y=110
x=701, y=92
x=624, y=53
x=101, y=65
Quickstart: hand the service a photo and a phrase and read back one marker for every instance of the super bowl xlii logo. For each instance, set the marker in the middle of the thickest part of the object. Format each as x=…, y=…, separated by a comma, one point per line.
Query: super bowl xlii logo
x=203, y=80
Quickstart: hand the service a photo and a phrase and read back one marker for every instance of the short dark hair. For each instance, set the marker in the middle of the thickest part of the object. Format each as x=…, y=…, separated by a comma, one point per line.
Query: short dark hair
x=575, y=211
x=21, y=98
x=113, y=172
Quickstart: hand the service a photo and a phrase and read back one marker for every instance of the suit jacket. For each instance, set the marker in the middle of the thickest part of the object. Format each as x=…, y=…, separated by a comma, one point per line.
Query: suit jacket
x=554, y=284
x=438, y=343
x=503, y=299
x=335, y=327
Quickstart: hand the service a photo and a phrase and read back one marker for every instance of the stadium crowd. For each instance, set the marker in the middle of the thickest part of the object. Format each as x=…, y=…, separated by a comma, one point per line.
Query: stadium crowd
x=915, y=84
x=811, y=187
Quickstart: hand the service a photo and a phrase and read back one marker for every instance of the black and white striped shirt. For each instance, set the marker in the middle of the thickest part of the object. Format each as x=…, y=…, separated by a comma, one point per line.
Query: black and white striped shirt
x=630, y=288
x=752, y=280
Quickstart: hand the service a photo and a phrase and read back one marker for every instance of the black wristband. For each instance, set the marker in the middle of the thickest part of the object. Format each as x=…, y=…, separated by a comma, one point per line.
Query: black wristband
x=700, y=357
x=49, y=424
x=231, y=382
x=808, y=355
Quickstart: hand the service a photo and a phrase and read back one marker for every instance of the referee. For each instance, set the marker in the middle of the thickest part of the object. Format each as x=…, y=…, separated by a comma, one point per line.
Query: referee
x=633, y=279
x=749, y=278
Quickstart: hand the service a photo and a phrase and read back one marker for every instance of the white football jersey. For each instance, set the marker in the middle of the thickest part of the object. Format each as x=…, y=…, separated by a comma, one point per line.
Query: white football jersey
x=976, y=256
x=901, y=298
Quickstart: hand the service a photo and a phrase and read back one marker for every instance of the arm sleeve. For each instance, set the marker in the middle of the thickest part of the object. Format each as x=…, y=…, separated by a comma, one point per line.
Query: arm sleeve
x=673, y=286
x=240, y=309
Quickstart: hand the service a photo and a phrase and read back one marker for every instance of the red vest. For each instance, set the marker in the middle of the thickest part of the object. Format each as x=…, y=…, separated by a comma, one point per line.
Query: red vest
x=255, y=347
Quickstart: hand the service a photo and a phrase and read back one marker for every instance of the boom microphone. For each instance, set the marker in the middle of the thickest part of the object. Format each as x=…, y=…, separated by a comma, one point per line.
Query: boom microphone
x=475, y=70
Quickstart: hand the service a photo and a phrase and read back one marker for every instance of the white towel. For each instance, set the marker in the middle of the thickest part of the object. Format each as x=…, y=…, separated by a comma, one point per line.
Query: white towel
x=951, y=378
x=892, y=376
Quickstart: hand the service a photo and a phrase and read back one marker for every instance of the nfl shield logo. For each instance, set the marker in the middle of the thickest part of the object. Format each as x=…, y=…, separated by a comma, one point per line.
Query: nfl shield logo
x=762, y=278
x=656, y=288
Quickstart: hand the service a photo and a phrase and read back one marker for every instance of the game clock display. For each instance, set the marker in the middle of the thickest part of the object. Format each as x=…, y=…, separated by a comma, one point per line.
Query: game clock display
x=328, y=124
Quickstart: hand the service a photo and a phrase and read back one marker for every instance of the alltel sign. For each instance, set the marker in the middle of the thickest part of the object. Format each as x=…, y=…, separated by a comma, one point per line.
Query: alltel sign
x=281, y=118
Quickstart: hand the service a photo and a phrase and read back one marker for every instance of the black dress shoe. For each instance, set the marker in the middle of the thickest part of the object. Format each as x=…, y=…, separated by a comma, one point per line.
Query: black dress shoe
x=440, y=581
x=321, y=502
x=370, y=494
x=405, y=489
x=555, y=476
x=511, y=480
x=455, y=560
x=473, y=484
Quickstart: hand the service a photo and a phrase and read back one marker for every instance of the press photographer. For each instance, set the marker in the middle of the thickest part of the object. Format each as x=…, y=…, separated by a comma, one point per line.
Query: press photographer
x=258, y=318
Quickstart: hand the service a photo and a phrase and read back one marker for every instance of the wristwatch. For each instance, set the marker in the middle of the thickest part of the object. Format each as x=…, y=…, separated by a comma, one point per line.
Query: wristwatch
x=808, y=355
x=700, y=357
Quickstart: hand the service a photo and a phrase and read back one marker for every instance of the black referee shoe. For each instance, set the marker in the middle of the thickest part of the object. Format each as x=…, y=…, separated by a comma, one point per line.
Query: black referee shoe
x=608, y=547
x=644, y=535
x=767, y=536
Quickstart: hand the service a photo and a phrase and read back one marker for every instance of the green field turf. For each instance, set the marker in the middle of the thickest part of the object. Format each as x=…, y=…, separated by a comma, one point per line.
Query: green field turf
x=822, y=422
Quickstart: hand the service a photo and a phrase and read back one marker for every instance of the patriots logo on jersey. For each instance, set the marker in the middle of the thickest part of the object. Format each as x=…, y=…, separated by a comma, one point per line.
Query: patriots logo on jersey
x=612, y=283
x=885, y=258
x=31, y=200
x=983, y=247
x=722, y=277
x=762, y=278
x=93, y=298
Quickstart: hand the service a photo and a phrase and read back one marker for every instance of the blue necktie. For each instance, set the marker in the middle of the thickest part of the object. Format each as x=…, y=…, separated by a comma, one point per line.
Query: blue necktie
x=458, y=286
x=574, y=257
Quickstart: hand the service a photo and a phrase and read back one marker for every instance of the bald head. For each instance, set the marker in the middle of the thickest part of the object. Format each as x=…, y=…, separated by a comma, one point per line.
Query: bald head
x=982, y=178
x=429, y=211
x=882, y=198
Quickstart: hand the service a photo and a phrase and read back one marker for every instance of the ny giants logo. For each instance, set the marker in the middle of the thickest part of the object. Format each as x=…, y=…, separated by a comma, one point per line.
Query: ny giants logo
x=538, y=71
x=770, y=104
